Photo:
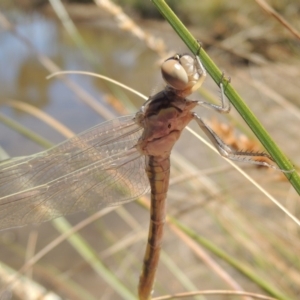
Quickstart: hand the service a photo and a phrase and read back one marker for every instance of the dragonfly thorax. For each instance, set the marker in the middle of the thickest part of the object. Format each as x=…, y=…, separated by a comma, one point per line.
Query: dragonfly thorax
x=162, y=127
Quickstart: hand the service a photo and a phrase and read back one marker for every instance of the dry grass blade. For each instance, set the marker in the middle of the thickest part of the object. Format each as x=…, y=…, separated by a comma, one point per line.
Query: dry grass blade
x=24, y=288
x=214, y=293
x=127, y=24
x=268, y=9
x=66, y=132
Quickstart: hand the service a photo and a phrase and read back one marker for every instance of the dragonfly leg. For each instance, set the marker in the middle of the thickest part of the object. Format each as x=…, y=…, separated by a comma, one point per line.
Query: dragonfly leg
x=225, y=104
x=200, y=71
x=200, y=68
x=227, y=152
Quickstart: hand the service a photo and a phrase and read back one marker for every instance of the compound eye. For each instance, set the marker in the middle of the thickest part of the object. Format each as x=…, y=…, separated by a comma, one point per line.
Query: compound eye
x=174, y=74
x=188, y=63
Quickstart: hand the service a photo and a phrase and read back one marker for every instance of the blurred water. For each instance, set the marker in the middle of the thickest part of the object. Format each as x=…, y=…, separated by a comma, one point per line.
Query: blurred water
x=23, y=78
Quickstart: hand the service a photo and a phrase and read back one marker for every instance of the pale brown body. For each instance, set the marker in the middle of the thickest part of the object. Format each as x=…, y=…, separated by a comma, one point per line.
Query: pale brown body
x=163, y=118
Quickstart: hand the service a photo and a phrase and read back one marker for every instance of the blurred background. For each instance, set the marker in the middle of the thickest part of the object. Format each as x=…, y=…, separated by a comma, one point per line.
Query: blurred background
x=127, y=41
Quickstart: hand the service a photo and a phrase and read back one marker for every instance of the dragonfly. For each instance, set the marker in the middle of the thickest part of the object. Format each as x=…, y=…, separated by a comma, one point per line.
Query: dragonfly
x=116, y=162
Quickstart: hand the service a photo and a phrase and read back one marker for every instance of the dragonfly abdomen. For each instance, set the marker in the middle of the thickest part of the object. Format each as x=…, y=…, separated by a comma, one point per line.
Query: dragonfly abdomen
x=158, y=172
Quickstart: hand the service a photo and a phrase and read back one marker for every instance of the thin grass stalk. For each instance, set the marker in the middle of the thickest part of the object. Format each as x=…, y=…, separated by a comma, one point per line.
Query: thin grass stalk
x=91, y=257
x=24, y=131
x=70, y=27
x=241, y=267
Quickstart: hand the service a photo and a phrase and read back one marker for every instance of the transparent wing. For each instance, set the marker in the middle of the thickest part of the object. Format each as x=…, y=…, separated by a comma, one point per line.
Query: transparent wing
x=100, y=167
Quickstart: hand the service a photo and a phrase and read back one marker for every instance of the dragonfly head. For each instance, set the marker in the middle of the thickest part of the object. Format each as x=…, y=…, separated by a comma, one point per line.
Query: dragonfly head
x=180, y=72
